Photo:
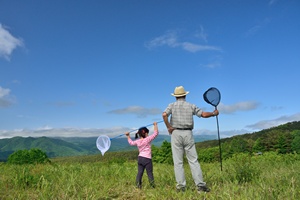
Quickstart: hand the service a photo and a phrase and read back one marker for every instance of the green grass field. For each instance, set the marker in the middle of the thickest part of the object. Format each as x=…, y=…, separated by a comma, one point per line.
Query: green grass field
x=269, y=176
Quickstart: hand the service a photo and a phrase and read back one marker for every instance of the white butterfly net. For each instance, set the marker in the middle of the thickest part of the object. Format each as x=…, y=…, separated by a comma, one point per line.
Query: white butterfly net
x=103, y=143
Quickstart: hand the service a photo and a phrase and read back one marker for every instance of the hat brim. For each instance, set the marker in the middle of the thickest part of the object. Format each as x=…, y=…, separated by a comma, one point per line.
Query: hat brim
x=179, y=95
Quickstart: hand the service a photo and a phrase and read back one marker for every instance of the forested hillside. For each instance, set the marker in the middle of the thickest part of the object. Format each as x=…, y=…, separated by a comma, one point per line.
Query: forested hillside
x=268, y=139
x=53, y=147
x=282, y=139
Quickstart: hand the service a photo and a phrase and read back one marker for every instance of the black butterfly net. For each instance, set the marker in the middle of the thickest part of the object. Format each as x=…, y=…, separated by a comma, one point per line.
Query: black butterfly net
x=212, y=96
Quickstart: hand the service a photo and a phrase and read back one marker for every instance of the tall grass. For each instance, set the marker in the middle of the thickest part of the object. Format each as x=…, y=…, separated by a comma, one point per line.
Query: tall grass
x=269, y=176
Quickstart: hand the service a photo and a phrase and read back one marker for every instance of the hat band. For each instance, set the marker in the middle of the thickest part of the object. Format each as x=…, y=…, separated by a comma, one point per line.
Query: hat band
x=180, y=93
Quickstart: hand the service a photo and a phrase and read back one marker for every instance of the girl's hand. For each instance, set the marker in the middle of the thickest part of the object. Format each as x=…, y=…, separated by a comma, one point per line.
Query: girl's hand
x=155, y=126
x=127, y=133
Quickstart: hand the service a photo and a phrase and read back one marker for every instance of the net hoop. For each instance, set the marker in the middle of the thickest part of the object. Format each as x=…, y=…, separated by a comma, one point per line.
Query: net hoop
x=103, y=143
x=212, y=96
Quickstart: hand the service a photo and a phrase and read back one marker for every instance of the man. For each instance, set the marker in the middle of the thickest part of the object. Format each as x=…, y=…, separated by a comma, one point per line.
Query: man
x=182, y=141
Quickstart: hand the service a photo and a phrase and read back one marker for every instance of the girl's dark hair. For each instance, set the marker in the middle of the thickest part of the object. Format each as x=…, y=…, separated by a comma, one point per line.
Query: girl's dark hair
x=141, y=132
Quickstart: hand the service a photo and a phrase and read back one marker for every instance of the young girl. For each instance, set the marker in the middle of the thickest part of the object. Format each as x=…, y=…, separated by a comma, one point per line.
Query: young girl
x=145, y=157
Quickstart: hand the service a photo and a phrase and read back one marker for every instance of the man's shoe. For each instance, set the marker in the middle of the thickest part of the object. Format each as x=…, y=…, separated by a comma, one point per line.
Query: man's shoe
x=203, y=188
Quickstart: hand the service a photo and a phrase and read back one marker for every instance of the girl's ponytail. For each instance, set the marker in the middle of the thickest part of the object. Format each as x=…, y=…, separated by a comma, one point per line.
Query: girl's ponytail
x=141, y=132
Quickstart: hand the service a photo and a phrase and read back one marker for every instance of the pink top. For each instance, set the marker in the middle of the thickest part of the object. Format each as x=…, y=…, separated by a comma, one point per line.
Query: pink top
x=144, y=145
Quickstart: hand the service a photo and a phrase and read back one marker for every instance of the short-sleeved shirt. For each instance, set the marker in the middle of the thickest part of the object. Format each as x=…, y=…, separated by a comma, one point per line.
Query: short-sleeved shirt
x=182, y=114
x=144, y=145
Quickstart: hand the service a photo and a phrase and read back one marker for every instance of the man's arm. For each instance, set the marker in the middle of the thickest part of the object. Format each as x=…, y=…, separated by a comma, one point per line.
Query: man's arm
x=210, y=114
x=168, y=125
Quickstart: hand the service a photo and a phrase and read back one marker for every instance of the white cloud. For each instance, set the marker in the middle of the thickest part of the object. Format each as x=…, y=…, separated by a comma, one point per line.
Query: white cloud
x=171, y=39
x=195, y=47
x=4, y=92
x=212, y=65
x=265, y=124
x=256, y=28
x=272, y=2
x=63, y=132
x=62, y=104
x=214, y=62
x=5, y=101
x=8, y=43
x=240, y=106
x=92, y=132
x=223, y=133
x=45, y=128
x=201, y=34
x=137, y=110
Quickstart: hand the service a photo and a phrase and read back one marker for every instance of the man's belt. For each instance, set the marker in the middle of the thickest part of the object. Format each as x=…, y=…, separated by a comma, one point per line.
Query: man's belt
x=183, y=129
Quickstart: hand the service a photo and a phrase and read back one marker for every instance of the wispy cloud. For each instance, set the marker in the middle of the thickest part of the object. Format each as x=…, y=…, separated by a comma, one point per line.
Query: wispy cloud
x=48, y=131
x=257, y=27
x=201, y=34
x=214, y=62
x=8, y=43
x=188, y=46
x=265, y=124
x=4, y=92
x=62, y=132
x=272, y=2
x=137, y=110
x=171, y=39
x=240, y=106
x=275, y=108
x=212, y=65
x=62, y=104
x=5, y=99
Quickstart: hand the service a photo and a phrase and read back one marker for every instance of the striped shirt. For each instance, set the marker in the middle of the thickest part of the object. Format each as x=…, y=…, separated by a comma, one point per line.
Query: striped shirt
x=144, y=145
x=182, y=114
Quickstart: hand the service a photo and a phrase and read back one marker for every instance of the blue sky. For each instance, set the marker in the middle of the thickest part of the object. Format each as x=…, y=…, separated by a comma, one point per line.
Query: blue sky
x=89, y=68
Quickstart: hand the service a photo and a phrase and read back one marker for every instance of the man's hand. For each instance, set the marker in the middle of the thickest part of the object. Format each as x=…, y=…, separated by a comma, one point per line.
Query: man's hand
x=170, y=130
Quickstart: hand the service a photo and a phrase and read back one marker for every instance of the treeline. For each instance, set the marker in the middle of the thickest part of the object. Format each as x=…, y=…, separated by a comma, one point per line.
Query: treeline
x=282, y=139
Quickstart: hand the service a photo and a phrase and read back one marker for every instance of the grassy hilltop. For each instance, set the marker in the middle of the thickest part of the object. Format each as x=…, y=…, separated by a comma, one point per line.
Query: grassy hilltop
x=269, y=176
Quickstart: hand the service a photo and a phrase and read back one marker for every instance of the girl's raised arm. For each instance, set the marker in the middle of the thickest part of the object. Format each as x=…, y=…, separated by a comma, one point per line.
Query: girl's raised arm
x=155, y=126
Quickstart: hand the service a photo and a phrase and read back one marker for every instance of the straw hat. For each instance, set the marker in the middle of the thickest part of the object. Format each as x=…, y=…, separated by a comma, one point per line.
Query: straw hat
x=179, y=92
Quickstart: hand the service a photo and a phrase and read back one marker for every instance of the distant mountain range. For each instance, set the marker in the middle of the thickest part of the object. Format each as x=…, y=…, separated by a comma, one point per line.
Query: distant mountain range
x=73, y=146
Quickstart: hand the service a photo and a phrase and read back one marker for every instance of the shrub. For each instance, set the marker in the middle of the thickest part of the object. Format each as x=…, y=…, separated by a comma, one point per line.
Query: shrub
x=32, y=156
x=209, y=155
x=243, y=169
x=162, y=154
x=296, y=141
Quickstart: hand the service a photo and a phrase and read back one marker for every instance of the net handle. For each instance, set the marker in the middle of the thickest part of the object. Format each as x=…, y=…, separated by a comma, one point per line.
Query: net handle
x=215, y=105
x=133, y=131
